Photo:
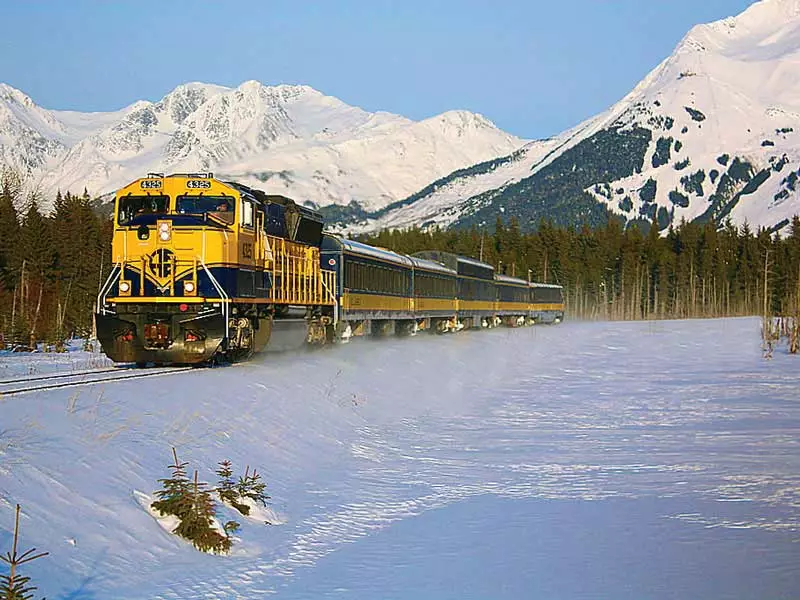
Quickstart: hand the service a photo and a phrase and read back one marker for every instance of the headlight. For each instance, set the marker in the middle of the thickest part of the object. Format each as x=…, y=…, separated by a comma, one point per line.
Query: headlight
x=164, y=235
x=188, y=287
x=124, y=286
x=164, y=227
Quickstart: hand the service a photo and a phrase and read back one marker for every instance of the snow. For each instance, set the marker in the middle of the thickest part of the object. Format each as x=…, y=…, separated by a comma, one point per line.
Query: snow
x=42, y=363
x=615, y=460
x=286, y=139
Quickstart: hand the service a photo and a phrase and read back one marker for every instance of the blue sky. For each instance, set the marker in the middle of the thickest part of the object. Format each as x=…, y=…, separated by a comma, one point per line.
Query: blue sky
x=533, y=67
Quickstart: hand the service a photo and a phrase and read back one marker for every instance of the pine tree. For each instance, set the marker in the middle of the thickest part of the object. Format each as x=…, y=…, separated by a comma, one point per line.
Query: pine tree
x=251, y=486
x=196, y=522
x=9, y=260
x=77, y=231
x=192, y=503
x=14, y=586
x=174, y=498
x=38, y=251
x=9, y=237
x=228, y=490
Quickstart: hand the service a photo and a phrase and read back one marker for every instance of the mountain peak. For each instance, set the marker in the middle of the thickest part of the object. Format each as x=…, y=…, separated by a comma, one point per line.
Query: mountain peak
x=764, y=23
x=12, y=94
x=283, y=92
x=460, y=120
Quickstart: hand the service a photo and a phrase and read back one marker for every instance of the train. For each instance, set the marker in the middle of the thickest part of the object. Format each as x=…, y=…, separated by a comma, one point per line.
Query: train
x=206, y=270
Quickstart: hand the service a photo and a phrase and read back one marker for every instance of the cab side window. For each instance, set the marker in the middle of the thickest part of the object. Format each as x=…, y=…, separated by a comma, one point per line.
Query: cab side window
x=247, y=213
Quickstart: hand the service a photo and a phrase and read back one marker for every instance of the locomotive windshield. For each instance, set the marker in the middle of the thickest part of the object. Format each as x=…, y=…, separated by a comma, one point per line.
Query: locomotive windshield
x=131, y=207
x=219, y=206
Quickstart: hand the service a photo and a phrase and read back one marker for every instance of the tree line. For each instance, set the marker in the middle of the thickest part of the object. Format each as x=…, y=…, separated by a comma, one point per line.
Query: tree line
x=51, y=265
x=617, y=272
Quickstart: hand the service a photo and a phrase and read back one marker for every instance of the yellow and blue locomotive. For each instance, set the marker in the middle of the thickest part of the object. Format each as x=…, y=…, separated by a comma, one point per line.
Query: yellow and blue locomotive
x=205, y=268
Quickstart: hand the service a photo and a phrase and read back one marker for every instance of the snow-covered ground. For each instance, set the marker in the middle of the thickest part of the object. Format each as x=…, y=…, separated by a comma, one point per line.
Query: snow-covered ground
x=44, y=363
x=585, y=460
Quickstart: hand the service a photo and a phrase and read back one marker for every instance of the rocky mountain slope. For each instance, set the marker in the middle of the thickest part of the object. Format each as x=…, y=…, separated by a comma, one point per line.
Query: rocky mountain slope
x=285, y=139
x=712, y=133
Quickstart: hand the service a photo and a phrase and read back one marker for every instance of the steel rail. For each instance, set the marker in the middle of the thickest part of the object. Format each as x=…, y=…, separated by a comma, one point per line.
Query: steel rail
x=123, y=375
x=57, y=375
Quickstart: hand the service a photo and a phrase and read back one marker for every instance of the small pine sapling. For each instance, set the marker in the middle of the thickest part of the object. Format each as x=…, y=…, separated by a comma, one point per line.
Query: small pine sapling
x=196, y=524
x=14, y=586
x=174, y=499
x=251, y=486
x=227, y=488
x=194, y=507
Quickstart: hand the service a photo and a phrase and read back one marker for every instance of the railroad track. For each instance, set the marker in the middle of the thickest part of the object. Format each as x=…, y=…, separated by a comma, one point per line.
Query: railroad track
x=53, y=381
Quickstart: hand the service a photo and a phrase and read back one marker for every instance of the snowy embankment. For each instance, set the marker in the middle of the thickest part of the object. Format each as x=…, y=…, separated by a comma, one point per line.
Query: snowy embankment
x=621, y=460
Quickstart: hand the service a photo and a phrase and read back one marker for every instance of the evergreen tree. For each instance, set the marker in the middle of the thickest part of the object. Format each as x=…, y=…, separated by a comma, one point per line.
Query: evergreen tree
x=15, y=586
x=37, y=252
x=9, y=260
x=9, y=237
x=228, y=490
x=196, y=521
x=174, y=498
x=192, y=503
x=77, y=231
x=251, y=486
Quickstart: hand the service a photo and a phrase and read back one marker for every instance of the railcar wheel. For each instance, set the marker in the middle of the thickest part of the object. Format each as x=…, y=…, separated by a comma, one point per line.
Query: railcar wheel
x=405, y=328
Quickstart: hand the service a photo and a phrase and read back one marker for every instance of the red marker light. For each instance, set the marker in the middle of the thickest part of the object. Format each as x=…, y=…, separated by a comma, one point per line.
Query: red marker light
x=184, y=307
x=331, y=262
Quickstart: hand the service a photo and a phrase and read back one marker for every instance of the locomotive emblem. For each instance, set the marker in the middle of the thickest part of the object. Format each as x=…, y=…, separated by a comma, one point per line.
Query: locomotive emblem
x=160, y=263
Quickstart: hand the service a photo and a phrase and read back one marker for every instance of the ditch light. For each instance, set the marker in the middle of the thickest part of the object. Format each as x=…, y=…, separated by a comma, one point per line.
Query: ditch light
x=164, y=233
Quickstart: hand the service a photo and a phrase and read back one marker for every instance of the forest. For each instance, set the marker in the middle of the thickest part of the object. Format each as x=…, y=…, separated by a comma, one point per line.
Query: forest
x=52, y=265
x=625, y=273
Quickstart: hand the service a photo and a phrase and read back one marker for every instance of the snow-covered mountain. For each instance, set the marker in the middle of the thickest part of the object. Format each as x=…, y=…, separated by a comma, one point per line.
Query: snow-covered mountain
x=285, y=139
x=713, y=132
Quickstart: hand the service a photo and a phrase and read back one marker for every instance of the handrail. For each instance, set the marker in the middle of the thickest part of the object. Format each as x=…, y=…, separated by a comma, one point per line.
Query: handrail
x=331, y=293
x=223, y=295
x=103, y=293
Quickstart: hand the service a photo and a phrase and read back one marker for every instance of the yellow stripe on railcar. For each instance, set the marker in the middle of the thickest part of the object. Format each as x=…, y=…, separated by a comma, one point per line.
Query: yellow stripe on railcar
x=425, y=305
x=354, y=302
x=516, y=307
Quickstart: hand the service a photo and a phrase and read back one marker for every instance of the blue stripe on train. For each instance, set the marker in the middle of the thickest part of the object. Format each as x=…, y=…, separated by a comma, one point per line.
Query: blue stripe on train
x=235, y=282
